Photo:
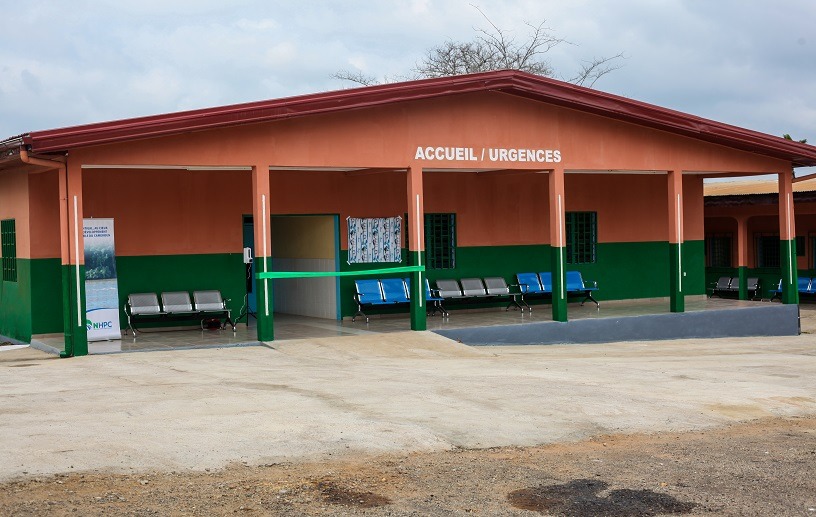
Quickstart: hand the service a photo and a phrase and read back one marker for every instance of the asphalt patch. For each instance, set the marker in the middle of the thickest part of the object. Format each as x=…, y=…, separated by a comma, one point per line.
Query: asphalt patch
x=335, y=494
x=582, y=498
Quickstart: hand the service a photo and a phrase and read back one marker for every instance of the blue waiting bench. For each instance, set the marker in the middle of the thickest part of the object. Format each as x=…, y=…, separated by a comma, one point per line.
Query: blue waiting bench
x=390, y=292
x=540, y=284
x=805, y=285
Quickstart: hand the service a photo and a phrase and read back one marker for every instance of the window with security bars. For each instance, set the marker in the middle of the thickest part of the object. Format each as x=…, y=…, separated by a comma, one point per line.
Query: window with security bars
x=767, y=250
x=582, y=236
x=8, y=249
x=800, y=246
x=440, y=241
x=718, y=250
x=812, y=250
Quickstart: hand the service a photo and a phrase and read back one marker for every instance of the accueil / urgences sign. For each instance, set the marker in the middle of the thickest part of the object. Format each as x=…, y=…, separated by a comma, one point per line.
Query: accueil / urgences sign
x=490, y=154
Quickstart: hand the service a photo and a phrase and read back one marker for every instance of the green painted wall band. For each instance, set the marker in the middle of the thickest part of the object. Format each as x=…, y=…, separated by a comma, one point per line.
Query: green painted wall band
x=364, y=272
x=790, y=275
x=418, y=309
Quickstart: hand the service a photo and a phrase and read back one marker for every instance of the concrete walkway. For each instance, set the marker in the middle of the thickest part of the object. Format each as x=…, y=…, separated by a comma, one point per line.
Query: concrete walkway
x=400, y=392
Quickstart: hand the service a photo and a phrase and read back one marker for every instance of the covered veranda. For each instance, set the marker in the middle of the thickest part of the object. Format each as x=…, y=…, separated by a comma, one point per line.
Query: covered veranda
x=291, y=327
x=587, y=141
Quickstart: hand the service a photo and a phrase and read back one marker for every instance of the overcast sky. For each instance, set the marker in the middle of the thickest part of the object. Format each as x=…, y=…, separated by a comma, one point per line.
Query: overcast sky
x=746, y=62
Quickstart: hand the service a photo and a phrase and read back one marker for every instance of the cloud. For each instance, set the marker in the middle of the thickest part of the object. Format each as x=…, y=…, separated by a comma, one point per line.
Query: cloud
x=746, y=63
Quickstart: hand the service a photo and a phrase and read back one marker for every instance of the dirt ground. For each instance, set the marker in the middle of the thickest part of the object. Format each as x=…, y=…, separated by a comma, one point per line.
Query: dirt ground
x=764, y=467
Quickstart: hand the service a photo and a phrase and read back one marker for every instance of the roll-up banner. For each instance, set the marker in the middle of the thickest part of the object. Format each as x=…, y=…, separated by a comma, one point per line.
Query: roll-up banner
x=101, y=289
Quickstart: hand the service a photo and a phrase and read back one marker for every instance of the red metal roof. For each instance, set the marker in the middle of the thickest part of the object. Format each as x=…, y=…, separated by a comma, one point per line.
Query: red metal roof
x=506, y=81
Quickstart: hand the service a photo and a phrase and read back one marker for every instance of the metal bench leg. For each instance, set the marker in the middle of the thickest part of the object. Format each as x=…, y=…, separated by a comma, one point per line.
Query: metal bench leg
x=359, y=313
x=229, y=320
x=515, y=303
x=589, y=297
x=130, y=325
x=444, y=312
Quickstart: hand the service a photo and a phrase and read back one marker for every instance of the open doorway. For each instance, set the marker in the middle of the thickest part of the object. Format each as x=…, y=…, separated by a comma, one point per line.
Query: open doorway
x=300, y=243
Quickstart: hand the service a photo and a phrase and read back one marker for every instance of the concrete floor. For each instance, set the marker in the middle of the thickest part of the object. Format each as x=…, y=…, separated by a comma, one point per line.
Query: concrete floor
x=289, y=327
x=379, y=393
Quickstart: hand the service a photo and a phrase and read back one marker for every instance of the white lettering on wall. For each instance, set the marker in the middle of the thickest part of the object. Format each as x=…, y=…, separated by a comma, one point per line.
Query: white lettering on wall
x=493, y=154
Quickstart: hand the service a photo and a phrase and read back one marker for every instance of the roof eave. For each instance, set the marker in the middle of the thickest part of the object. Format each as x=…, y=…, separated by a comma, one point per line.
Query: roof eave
x=508, y=81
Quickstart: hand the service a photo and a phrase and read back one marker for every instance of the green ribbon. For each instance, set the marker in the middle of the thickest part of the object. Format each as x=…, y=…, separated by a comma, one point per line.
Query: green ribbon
x=314, y=274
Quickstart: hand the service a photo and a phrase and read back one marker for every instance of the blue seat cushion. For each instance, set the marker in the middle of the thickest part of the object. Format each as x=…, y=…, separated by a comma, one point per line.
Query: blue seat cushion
x=394, y=290
x=546, y=281
x=369, y=292
x=528, y=283
x=575, y=283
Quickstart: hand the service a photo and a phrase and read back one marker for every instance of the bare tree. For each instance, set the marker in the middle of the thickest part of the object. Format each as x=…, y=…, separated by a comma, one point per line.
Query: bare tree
x=496, y=49
x=596, y=68
x=356, y=76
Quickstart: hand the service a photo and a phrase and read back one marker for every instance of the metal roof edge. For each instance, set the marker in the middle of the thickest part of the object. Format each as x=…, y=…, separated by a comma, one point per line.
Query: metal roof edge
x=508, y=81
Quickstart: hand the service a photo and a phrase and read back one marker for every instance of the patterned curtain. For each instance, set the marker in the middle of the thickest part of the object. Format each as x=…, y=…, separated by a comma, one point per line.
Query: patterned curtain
x=376, y=239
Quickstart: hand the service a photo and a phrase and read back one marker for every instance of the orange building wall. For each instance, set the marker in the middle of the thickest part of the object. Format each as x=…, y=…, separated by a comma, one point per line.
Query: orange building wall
x=170, y=212
x=44, y=202
x=14, y=204
x=388, y=136
x=495, y=208
x=167, y=212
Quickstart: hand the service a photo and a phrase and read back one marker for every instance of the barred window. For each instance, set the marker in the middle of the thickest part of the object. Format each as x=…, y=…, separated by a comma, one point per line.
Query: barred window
x=582, y=236
x=813, y=251
x=8, y=249
x=800, y=246
x=767, y=250
x=440, y=241
x=718, y=250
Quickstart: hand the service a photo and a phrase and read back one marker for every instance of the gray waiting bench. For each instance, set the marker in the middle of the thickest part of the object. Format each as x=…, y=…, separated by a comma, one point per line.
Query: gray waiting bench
x=177, y=306
x=474, y=289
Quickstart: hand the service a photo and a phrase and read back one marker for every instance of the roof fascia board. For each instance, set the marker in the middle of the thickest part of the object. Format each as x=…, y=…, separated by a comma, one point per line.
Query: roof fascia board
x=508, y=81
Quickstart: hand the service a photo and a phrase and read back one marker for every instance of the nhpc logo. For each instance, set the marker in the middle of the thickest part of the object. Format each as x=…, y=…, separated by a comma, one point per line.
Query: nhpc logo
x=100, y=325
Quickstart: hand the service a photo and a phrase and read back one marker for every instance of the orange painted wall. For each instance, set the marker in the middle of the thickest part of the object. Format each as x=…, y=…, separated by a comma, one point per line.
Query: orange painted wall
x=633, y=208
x=178, y=212
x=44, y=203
x=388, y=137
x=14, y=204
x=166, y=212
x=170, y=212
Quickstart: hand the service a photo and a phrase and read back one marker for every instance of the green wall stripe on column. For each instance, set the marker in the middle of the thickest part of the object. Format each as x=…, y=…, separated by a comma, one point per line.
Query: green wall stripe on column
x=558, y=268
x=79, y=330
x=264, y=298
x=67, y=313
x=676, y=278
x=742, y=278
x=418, y=308
x=787, y=260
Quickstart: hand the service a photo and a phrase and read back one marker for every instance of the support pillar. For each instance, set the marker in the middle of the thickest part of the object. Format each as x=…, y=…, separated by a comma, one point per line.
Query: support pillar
x=787, y=239
x=73, y=262
x=263, y=242
x=416, y=246
x=557, y=245
x=742, y=257
x=676, y=274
